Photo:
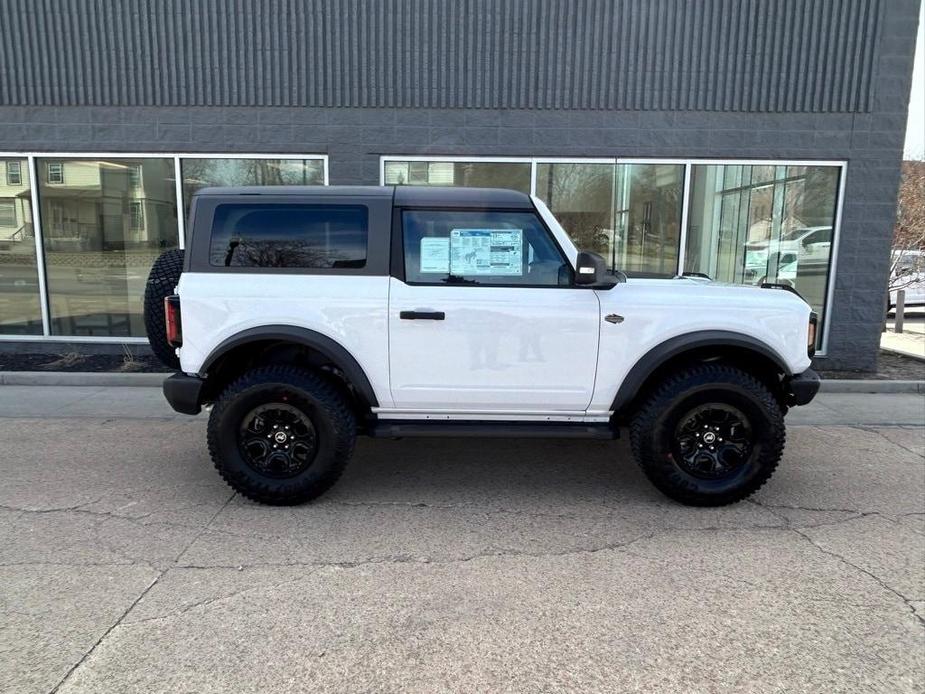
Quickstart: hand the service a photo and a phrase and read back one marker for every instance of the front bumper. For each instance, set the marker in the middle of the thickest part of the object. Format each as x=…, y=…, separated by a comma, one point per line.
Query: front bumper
x=183, y=393
x=803, y=387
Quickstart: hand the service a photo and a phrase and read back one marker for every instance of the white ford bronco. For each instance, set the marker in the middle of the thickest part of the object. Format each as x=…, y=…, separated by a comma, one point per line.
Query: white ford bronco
x=303, y=317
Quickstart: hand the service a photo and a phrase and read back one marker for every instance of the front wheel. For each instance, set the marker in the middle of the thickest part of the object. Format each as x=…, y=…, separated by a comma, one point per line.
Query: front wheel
x=709, y=435
x=281, y=435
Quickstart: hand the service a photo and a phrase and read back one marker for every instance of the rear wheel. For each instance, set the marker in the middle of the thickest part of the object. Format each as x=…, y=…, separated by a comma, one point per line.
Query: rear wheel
x=709, y=435
x=281, y=435
x=163, y=278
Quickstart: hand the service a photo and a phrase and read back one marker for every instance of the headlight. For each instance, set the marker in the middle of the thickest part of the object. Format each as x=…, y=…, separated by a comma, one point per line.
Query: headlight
x=811, y=333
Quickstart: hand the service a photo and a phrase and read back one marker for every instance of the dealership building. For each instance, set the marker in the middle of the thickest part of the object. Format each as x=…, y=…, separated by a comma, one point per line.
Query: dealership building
x=747, y=141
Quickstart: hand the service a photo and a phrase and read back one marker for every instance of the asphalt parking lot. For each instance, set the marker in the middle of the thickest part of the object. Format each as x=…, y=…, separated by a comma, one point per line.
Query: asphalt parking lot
x=467, y=565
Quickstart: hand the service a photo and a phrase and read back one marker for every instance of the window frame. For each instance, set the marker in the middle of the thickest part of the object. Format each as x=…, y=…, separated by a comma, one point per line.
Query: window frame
x=198, y=257
x=9, y=174
x=398, y=259
x=297, y=269
x=12, y=206
x=48, y=174
x=136, y=214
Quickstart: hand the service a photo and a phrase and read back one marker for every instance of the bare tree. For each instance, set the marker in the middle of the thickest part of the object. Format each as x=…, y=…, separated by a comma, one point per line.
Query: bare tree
x=909, y=232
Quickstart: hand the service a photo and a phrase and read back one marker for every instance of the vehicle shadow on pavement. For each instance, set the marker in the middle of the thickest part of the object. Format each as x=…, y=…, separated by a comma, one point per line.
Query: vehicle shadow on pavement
x=477, y=470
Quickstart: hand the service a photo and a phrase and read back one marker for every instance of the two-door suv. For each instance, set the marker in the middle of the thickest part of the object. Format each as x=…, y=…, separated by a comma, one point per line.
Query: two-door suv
x=304, y=316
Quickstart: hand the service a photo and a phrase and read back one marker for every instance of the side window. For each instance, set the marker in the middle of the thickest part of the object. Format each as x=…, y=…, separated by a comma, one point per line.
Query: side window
x=482, y=247
x=289, y=236
x=820, y=236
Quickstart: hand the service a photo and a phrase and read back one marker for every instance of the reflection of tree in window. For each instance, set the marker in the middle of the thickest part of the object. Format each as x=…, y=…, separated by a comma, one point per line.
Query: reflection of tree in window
x=306, y=236
x=201, y=173
x=252, y=253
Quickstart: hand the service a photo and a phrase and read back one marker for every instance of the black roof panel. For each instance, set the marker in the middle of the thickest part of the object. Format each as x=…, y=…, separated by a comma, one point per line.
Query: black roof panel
x=433, y=196
x=302, y=191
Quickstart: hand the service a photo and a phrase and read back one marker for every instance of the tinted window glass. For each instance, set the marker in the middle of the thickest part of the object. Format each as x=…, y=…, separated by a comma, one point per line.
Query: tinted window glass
x=295, y=236
x=484, y=247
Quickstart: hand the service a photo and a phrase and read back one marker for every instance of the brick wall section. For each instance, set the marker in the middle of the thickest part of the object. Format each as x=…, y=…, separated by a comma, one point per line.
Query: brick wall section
x=355, y=138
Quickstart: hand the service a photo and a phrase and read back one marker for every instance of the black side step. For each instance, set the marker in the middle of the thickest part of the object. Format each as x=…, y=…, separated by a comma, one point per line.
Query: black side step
x=547, y=430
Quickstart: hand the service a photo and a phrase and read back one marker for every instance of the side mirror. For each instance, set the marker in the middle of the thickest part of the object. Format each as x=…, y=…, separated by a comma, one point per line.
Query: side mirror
x=591, y=271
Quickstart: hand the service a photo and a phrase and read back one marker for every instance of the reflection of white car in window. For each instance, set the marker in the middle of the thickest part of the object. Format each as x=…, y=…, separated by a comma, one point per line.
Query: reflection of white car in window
x=908, y=274
x=310, y=315
x=805, y=243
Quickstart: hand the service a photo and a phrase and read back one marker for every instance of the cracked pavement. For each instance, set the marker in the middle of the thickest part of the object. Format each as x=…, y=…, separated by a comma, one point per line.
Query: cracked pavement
x=127, y=565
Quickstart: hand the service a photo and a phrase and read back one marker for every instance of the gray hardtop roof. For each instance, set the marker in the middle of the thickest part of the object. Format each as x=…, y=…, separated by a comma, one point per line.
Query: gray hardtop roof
x=404, y=196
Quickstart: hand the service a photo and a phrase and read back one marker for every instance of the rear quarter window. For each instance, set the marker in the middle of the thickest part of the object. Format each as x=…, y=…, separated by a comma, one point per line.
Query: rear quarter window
x=269, y=235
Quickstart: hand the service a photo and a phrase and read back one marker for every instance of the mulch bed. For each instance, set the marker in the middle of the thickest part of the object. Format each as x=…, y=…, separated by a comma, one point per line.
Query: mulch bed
x=890, y=367
x=116, y=363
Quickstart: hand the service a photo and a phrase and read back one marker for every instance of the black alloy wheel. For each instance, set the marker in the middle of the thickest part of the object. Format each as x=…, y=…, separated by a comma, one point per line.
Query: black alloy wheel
x=713, y=440
x=280, y=434
x=709, y=434
x=278, y=440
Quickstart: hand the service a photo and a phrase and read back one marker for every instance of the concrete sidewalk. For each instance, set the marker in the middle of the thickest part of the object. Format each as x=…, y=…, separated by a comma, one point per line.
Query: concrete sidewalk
x=65, y=402
x=910, y=342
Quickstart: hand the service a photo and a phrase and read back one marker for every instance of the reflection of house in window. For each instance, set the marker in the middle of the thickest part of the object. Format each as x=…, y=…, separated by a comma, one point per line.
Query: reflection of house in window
x=137, y=216
x=479, y=174
x=14, y=173
x=134, y=176
x=55, y=172
x=7, y=213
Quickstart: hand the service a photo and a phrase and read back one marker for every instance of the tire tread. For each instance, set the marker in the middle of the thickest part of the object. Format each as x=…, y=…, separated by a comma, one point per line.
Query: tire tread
x=331, y=401
x=663, y=396
x=164, y=275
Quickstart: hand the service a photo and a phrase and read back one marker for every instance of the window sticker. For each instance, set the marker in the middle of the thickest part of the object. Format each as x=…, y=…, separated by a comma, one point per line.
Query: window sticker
x=435, y=255
x=487, y=252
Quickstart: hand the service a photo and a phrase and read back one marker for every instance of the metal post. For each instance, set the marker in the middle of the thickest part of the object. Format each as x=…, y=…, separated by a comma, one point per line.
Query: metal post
x=900, y=310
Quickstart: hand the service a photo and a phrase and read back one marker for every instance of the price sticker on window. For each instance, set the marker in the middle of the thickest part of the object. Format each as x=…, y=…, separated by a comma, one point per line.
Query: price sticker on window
x=487, y=252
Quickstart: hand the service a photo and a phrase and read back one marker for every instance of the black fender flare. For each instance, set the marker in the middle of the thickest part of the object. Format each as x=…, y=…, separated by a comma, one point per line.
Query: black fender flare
x=324, y=345
x=675, y=346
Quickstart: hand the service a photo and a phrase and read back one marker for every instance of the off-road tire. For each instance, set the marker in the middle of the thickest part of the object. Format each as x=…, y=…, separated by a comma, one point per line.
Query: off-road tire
x=163, y=278
x=654, y=427
x=309, y=392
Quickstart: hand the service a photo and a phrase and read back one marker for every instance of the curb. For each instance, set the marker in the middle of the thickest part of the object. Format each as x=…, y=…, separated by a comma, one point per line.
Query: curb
x=848, y=385
x=154, y=380
x=80, y=378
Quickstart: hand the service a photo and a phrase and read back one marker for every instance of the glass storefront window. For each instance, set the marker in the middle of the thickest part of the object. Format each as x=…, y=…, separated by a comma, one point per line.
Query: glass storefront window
x=581, y=197
x=648, y=219
x=20, y=302
x=629, y=213
x=104, y=222
x=475, y=174
x=218, y=171
x=756, y=224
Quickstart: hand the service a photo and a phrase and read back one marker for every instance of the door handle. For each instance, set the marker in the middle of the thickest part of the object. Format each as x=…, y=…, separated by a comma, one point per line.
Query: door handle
x=422, y=315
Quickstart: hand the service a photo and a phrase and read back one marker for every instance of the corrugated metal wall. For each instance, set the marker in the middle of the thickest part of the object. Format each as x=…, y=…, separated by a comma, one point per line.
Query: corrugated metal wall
x=714, y=55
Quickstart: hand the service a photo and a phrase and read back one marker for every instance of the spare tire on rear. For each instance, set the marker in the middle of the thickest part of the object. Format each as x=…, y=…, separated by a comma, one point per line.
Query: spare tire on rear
x=162, y=280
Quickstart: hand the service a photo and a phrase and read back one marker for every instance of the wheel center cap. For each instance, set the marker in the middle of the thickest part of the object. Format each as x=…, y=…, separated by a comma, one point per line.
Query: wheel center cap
x=280, y=437
x=709, y=437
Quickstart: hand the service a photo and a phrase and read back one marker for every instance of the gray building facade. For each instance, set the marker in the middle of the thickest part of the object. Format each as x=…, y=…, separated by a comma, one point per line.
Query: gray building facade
x=749, y=141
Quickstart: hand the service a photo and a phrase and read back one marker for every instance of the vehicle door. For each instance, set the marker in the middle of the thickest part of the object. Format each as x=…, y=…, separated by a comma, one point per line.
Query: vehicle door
x=484, y=316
